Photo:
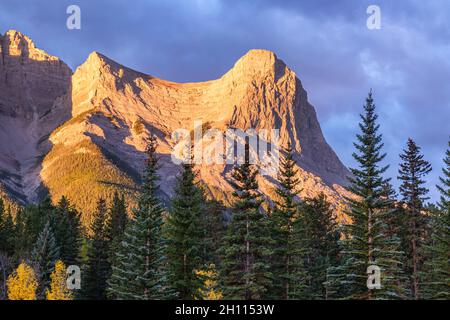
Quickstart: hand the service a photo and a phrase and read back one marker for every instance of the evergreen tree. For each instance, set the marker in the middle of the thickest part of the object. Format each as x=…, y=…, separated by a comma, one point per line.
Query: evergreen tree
x=394, y=215
x=98, y=269
x=365, y=242
x=6, y=231
x=43, y=257
x=212, y=223
x=6, y=266
x=411, y=173
x=317, y=233
x=140, y=267
x=436, y=273
x=245, y=264
x=286, y=263
x=68, y=232
x=184, y=234
x=116, y=224
x=30, y=221
x=58, y=287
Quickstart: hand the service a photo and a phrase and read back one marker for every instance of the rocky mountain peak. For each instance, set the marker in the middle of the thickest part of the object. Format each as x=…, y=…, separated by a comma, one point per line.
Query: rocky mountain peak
x=260, y=63
x=112, y=109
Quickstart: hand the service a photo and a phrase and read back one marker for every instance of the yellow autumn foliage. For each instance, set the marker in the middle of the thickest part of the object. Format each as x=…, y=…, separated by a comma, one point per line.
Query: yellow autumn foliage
x=22, y=284
x=210, y=290
x=58, y=285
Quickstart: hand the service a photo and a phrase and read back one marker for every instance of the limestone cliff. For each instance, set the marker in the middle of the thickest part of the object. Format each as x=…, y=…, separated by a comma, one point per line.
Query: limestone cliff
x=113, y=109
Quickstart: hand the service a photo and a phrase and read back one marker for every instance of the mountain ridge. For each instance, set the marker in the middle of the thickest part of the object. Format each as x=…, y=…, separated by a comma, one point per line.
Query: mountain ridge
x=112, y=110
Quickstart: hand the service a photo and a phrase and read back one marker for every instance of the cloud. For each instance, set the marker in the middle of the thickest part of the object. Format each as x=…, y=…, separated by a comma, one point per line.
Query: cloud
x=326, y=43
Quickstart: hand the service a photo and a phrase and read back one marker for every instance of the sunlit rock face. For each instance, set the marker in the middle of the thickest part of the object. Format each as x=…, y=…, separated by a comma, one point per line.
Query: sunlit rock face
x=33, y=86
x=113, y=109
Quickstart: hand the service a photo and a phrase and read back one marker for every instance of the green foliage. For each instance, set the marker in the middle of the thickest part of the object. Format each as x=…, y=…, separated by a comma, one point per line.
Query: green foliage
x=435, y=277
x=140, y=267
x=365, y=241
x=317, y=233
x=98, y=269
x=68, y=232
x=117, y=221
x=287, y=266
x=30, y=221
x=413, y=231
x=6, y=231
x=245, y=266
x=81, y=169
x=43, y=258
x=185, y=235
x=212, y=225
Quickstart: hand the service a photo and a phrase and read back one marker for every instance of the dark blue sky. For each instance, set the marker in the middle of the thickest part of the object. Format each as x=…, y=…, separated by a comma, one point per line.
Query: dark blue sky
x=327, y=43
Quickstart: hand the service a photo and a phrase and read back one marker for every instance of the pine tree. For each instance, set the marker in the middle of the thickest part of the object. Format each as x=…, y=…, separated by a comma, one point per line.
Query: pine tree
x=140, y=267
x=184, y=234
x=98, y=269
x=394, y=215
x=43, y=257
x=212, y=224
x=245, y=264
x=30, y=221
x=286, y=262
x=116, y=224
x=411, y=173
x=22, y=284
x=436, y=272
x=6, y=231
x=68, y=232
x=365, y=242
x=6, y=267
x=317, y=235
x=58, y=287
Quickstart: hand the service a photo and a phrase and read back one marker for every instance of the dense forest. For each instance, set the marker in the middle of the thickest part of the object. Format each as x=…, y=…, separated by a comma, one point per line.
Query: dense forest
x=200, y=249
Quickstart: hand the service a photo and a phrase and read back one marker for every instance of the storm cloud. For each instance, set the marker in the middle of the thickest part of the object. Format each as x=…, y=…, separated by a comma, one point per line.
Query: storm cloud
x=327, y=44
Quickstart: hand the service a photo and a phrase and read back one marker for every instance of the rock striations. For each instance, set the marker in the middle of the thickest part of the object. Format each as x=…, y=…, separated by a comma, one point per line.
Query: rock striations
x=77, y=133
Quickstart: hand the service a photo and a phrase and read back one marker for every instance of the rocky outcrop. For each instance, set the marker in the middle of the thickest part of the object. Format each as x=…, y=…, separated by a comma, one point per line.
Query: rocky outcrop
x=113, y=109
x=116, y=108
x=33, y=89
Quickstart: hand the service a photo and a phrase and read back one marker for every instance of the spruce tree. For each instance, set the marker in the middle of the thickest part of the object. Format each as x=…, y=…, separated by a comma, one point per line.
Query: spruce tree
x=436, y=271
x=365, y=242
x=185, y=235
x=394, y=215
x=285, y=260
x=30, y=221
x=68, y=232
x=317, y=235
x=412, y=171
x=43, y=257
x=140, y=266
x=117, y=223
x=212, y=224
x=245, y=265
x=6, y=231
x=98, y=269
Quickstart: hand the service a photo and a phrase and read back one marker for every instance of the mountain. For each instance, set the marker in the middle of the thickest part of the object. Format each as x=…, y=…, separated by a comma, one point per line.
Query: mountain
x=83, y=134
x=33, y=85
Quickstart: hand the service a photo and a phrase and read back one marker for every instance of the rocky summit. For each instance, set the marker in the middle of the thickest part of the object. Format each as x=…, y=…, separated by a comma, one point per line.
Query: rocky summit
x=83, y=134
